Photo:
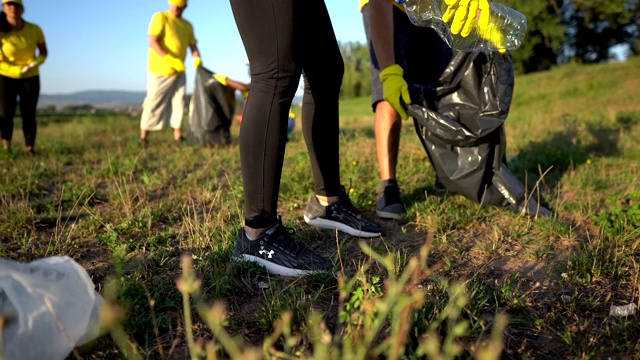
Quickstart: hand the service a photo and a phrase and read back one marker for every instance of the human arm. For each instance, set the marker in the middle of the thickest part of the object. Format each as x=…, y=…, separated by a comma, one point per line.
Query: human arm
x=195, y=53
x=237, y=85
x=234, y=84
x=156, y=45
x=39, y=60
x=394, y=88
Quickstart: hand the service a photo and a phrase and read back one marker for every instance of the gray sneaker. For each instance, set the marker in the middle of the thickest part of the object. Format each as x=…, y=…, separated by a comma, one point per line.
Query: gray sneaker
x=341, y=215
x=389, y=204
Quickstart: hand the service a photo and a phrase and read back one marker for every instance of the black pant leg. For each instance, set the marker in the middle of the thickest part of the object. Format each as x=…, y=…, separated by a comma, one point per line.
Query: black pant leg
x=8, y=102
x=29, y=92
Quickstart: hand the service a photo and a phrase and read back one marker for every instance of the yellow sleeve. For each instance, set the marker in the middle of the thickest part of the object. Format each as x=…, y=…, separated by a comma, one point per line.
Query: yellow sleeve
x=156, y=25
x=222, y=79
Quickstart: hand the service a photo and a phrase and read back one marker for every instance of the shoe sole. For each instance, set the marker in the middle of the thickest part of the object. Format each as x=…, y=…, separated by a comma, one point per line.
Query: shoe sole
x=273, y=268
x=389, y=215
x=334, y=225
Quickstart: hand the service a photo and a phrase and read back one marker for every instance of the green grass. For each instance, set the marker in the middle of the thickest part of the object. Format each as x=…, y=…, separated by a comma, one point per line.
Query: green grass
x=453, y=280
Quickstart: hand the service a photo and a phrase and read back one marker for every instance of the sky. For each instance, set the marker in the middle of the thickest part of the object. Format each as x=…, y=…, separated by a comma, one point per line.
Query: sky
x=102, y=44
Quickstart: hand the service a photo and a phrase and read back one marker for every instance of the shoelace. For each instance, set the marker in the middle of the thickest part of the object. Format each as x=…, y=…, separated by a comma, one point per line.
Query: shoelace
x=283, y=236
x=344, y=202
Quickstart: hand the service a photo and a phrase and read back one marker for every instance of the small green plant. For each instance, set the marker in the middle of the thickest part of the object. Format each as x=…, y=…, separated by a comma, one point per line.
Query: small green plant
x=621, y=215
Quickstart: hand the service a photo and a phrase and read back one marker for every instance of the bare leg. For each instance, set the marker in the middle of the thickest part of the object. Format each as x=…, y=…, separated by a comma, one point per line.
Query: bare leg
x=387, y=128
x=177, y=134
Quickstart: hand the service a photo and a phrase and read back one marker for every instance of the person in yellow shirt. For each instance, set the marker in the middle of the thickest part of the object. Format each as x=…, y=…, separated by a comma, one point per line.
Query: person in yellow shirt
x=22, y=51
x=169, y=37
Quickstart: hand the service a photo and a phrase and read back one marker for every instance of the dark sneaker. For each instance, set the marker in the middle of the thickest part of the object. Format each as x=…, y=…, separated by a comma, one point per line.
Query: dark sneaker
x=341, y=215
x=531, y=208
x=389, y=204
x=142, y=142
x=277, y=251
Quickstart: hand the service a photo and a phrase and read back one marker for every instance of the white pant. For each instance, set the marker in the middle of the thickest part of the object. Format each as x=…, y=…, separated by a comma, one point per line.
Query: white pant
x=165, y=102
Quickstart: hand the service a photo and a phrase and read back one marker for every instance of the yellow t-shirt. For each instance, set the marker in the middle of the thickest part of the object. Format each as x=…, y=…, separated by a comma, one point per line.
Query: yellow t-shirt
x=176, y=36
x=19, y=49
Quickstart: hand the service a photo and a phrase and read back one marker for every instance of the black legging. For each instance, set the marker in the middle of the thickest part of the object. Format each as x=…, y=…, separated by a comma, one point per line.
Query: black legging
x=283, y=39
x=28, y=90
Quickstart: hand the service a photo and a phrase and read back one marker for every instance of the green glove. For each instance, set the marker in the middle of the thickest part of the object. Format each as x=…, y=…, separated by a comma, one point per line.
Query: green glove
x=197, y=62
x=395, y=89
x=174, y=62
x=464, y=14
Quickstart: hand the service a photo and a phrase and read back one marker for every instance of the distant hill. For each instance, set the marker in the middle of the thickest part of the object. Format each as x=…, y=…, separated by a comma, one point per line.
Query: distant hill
x=106, y=99
x=97, y=98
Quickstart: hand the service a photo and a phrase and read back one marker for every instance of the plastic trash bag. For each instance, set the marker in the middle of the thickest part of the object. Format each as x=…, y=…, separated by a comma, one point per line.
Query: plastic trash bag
x=460, y=121
x=210, y=111
x=38, y=300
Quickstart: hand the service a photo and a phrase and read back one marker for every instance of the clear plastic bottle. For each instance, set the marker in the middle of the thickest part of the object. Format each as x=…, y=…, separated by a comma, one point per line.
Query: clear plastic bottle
x=506, y=31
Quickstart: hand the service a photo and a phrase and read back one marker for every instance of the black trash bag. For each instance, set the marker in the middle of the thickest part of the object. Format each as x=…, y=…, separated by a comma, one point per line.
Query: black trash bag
x=460, y=122
x=210, y=111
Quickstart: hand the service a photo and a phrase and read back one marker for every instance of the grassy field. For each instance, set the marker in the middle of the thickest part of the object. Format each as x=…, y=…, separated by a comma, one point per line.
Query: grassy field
x=155, y=228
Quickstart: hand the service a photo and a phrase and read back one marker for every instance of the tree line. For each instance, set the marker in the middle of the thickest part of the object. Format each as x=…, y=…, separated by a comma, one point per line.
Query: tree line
x=558, y=32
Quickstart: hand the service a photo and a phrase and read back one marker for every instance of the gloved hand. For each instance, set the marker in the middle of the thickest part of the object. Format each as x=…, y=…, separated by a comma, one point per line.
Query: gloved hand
x=197, y=62
x=245, y=95
x=395, y=89
x=174, y=62
x=464, y=14
x=37, y=62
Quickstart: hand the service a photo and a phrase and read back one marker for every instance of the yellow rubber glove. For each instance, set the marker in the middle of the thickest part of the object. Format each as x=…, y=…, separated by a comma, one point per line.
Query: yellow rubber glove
x=222, y=79
x=245, y=95
x=463, y=14
x=197, y=62
x=174, y=62
x=395, y=89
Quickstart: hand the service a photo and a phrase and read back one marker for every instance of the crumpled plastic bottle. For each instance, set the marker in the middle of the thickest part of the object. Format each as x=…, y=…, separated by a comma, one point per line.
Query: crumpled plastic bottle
x=49, y=307
x=506, y=31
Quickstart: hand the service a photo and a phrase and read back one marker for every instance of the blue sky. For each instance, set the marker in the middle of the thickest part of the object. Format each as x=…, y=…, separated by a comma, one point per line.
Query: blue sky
x=102, y=44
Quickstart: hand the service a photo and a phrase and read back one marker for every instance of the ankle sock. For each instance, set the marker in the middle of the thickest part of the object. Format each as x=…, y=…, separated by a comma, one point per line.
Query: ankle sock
x=389, y=182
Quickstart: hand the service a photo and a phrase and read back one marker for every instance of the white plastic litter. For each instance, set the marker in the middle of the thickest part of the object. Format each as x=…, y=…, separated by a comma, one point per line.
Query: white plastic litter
x=49, y=307
x=623, y=310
